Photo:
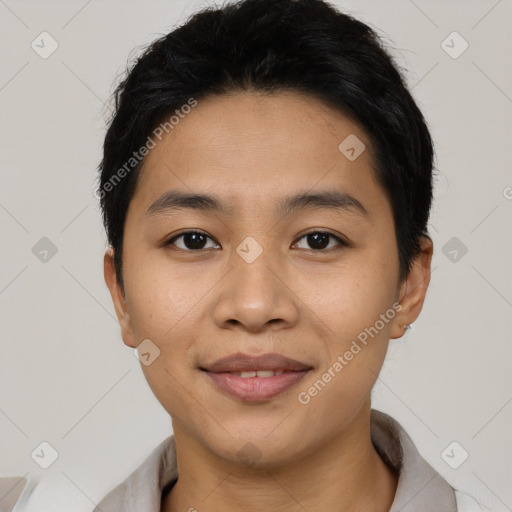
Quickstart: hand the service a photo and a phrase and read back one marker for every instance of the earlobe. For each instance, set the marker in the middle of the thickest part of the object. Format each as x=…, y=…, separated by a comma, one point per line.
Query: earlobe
x=413, y=290
x=118, y=298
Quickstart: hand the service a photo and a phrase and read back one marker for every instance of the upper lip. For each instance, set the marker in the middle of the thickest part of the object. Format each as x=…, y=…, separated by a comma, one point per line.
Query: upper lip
x=245, y=362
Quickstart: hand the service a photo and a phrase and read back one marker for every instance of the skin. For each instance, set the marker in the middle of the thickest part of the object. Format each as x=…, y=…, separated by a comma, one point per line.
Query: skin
x=305, y=302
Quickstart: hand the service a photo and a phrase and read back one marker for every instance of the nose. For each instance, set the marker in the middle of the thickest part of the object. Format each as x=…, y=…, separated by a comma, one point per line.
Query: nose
x=256, y=296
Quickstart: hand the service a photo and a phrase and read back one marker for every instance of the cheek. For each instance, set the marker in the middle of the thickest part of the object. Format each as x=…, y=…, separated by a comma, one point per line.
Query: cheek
x=349, y=298
x=163, y=298
x=165, y=306
x=355, y=302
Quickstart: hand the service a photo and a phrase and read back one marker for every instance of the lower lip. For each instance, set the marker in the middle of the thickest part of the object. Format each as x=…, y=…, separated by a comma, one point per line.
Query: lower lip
x=255, y=389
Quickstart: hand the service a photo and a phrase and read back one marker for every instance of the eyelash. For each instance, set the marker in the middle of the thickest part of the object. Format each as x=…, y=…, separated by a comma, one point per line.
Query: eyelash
x=340, y=240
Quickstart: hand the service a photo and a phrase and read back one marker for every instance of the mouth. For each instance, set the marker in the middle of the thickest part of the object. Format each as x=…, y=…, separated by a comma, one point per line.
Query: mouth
x=262, y=374
x=255, y=378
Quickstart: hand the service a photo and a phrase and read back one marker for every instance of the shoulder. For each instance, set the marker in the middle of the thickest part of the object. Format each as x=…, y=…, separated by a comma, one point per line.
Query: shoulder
x=142, y=489
x=420, y=486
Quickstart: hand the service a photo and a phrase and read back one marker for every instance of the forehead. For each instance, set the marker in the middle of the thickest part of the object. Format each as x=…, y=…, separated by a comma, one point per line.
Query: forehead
x=252, y=147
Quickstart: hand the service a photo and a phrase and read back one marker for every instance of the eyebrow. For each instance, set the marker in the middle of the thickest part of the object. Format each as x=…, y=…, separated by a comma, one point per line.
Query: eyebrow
x=329, y=199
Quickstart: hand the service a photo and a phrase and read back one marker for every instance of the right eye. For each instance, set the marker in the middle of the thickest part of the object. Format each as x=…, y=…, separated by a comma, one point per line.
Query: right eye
x=191, y=241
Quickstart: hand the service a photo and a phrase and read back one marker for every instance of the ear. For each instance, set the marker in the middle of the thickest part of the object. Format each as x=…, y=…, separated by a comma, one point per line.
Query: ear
x=413, y=290
x=118, y=298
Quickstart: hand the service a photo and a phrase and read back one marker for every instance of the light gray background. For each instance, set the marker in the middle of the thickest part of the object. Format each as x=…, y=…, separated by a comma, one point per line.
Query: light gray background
x=65, y=375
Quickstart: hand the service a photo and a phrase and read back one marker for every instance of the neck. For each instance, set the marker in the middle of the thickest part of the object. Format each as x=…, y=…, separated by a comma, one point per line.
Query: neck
x=344, y=474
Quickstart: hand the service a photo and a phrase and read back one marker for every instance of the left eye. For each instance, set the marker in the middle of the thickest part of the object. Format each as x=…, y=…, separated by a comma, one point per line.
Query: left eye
x=192, y=240
x=319, y=240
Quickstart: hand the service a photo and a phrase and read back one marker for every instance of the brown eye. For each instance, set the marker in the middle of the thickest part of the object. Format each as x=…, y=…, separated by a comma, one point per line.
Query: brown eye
x=319, y=240
x=192, y=241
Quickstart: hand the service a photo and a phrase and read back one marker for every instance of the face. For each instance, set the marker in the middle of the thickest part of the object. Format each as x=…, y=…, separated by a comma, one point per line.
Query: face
x=250, y=271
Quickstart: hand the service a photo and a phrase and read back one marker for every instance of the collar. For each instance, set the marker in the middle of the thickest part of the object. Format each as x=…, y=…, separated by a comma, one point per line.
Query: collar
x=420, y=487
x=11, y=489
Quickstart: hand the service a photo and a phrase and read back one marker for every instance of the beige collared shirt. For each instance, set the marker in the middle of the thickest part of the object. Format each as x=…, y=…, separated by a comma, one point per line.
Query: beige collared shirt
x=420, y=487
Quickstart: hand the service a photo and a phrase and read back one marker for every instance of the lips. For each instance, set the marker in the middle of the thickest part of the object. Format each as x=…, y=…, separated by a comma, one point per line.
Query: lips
x=255, y=378
x=243, y=362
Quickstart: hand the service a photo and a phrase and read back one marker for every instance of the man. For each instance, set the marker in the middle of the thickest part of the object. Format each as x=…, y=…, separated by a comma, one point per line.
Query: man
x=266, y=186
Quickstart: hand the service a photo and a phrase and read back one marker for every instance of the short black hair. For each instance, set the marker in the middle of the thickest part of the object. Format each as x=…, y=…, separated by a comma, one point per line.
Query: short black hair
x=306, y=46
